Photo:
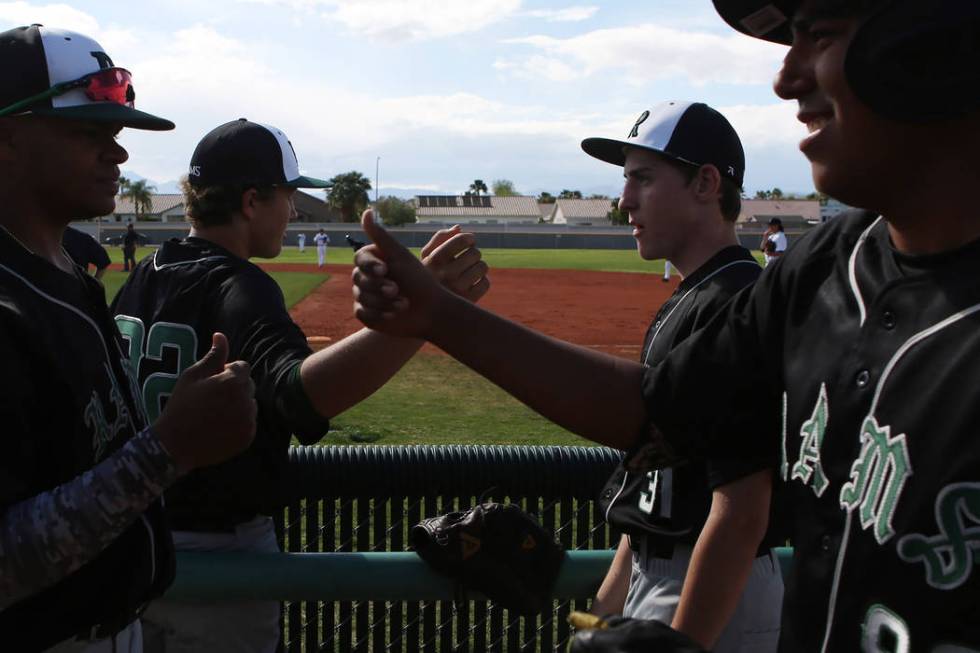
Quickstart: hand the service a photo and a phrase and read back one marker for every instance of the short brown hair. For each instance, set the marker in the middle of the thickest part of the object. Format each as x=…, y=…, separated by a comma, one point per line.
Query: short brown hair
x=211, y=206
x=731, y=194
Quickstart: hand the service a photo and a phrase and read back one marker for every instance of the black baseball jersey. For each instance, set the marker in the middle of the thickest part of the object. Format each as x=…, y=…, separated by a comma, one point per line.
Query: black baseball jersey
x=67, y=402
x=131, y=240
x=673, y=503
x=84, y=250
x=869, y=356
x=167, y=311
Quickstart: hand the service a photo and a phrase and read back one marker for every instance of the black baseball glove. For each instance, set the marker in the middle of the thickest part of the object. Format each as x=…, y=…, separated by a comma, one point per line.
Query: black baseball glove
x=496, y=549
x=624, y=635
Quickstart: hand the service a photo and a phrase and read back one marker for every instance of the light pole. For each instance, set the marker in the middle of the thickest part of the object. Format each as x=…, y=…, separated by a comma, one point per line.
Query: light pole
x=377, y=167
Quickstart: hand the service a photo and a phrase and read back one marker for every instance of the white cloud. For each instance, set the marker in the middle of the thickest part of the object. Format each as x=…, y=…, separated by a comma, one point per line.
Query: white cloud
x=647, y=53
x=406, y=20
x=15, y=14
x=764, y=126
x=111, y=37
x=566, y=15
x=401, y=20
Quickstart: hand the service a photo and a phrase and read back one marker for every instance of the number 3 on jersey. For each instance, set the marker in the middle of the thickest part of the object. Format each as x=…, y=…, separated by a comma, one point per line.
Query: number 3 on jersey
x=163, y=335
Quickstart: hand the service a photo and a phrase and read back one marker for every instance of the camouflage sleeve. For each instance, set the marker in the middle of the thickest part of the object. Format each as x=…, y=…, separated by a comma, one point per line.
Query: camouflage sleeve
x=47, y=537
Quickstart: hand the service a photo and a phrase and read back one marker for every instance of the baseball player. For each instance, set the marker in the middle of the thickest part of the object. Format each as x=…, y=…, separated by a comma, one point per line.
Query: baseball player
x=239, y=201
x=863, y=336
x=666, y=276
x=684, y=166
x=774, y=241
x=301, y=241
x=662, y=513
x=130, y=241
x=83, y=541
x=85, y=251
x=322, y=240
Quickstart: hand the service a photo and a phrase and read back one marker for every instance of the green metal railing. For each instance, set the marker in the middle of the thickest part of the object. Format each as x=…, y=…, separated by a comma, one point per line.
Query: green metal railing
x=346, y=581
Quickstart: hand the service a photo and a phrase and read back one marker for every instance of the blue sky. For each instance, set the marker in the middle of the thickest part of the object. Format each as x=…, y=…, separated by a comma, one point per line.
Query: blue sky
x=444, y=91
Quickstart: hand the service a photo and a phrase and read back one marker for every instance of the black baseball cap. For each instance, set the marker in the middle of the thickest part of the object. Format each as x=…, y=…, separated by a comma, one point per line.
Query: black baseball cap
x=910, y=60
x=54, y=72
x=690, y=132
x=775, y=222
x=244, y=152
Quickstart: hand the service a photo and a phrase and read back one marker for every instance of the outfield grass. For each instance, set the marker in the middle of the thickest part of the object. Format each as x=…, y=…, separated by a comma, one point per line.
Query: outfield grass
x=603, y=260
x=435, y=400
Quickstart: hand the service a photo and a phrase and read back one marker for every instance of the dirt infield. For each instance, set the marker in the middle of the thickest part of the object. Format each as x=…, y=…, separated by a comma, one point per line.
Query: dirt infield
x=609, y=311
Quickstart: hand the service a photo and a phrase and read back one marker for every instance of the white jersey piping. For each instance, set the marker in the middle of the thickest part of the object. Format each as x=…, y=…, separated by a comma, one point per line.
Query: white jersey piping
x=663, y=322
x=892, y=363
x=852, y=271
x=163, y=266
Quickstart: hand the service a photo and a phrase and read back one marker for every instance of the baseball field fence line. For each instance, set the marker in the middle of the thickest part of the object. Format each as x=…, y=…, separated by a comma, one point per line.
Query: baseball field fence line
x=366, y=498
x=347, y=580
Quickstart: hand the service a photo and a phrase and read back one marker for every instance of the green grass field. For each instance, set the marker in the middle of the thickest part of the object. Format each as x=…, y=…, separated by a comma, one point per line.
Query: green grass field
x=604, y=260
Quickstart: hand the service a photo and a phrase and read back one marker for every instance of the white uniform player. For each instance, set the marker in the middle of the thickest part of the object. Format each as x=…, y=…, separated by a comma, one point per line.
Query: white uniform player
x=322, y=240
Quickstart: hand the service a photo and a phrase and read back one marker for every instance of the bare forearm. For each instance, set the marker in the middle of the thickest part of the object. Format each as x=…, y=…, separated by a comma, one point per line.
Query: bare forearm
x=611, y=597
x=590, y=393
x=722, y=560
x=351, y=370
x=47, y=537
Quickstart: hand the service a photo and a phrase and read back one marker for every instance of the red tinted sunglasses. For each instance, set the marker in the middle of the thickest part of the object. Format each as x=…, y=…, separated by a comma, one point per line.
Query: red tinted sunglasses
x=108, y=85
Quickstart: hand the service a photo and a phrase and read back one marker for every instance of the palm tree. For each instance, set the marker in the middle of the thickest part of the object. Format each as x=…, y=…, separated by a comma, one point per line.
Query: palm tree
x=478, y=187
x=141, y=194
x=348, y=192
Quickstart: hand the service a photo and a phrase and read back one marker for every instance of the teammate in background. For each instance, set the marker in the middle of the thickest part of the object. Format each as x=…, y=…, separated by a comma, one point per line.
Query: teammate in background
x=322, y=240
x=301, y=242
x=666, y=276
x=85, y=251
x=774, y=242
x=130, y=241
x=864, y=313
x=707, y=521
x=83, y=541
x=683, y=207
x=239, y=201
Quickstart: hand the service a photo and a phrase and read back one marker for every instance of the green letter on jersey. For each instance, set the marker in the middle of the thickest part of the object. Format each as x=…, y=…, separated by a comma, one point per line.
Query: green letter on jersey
x=949, y=557
x=163, y=335
x=877, y=478
x=159, y=385
x=808, y=467
x=133, y=332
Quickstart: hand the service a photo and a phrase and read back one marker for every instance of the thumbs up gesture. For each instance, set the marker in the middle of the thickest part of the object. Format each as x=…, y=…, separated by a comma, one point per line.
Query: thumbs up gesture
x=210, y=416
x=393, y=291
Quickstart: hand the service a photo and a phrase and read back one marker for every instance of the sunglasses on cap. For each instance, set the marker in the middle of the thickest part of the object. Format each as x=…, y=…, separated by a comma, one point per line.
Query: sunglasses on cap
x=107, y=85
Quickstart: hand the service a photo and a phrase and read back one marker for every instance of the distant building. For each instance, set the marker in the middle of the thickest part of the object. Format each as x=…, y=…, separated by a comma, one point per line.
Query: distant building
x=795, y=214
x=476, y=209
x=165, y=207
x=313, y=209
x=832, y=209
x=593, y=212
x=169, y=207
x=547, y=210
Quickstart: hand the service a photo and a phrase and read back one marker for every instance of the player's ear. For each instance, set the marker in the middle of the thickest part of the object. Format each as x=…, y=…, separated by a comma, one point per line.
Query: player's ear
x=707, y=183
x=249, y=202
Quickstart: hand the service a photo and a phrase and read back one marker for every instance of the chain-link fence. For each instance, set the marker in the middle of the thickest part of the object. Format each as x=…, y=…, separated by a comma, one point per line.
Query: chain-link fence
x=367, y=498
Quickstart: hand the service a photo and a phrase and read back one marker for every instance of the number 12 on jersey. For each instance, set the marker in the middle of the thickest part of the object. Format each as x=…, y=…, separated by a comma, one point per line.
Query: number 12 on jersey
x=159, y=385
